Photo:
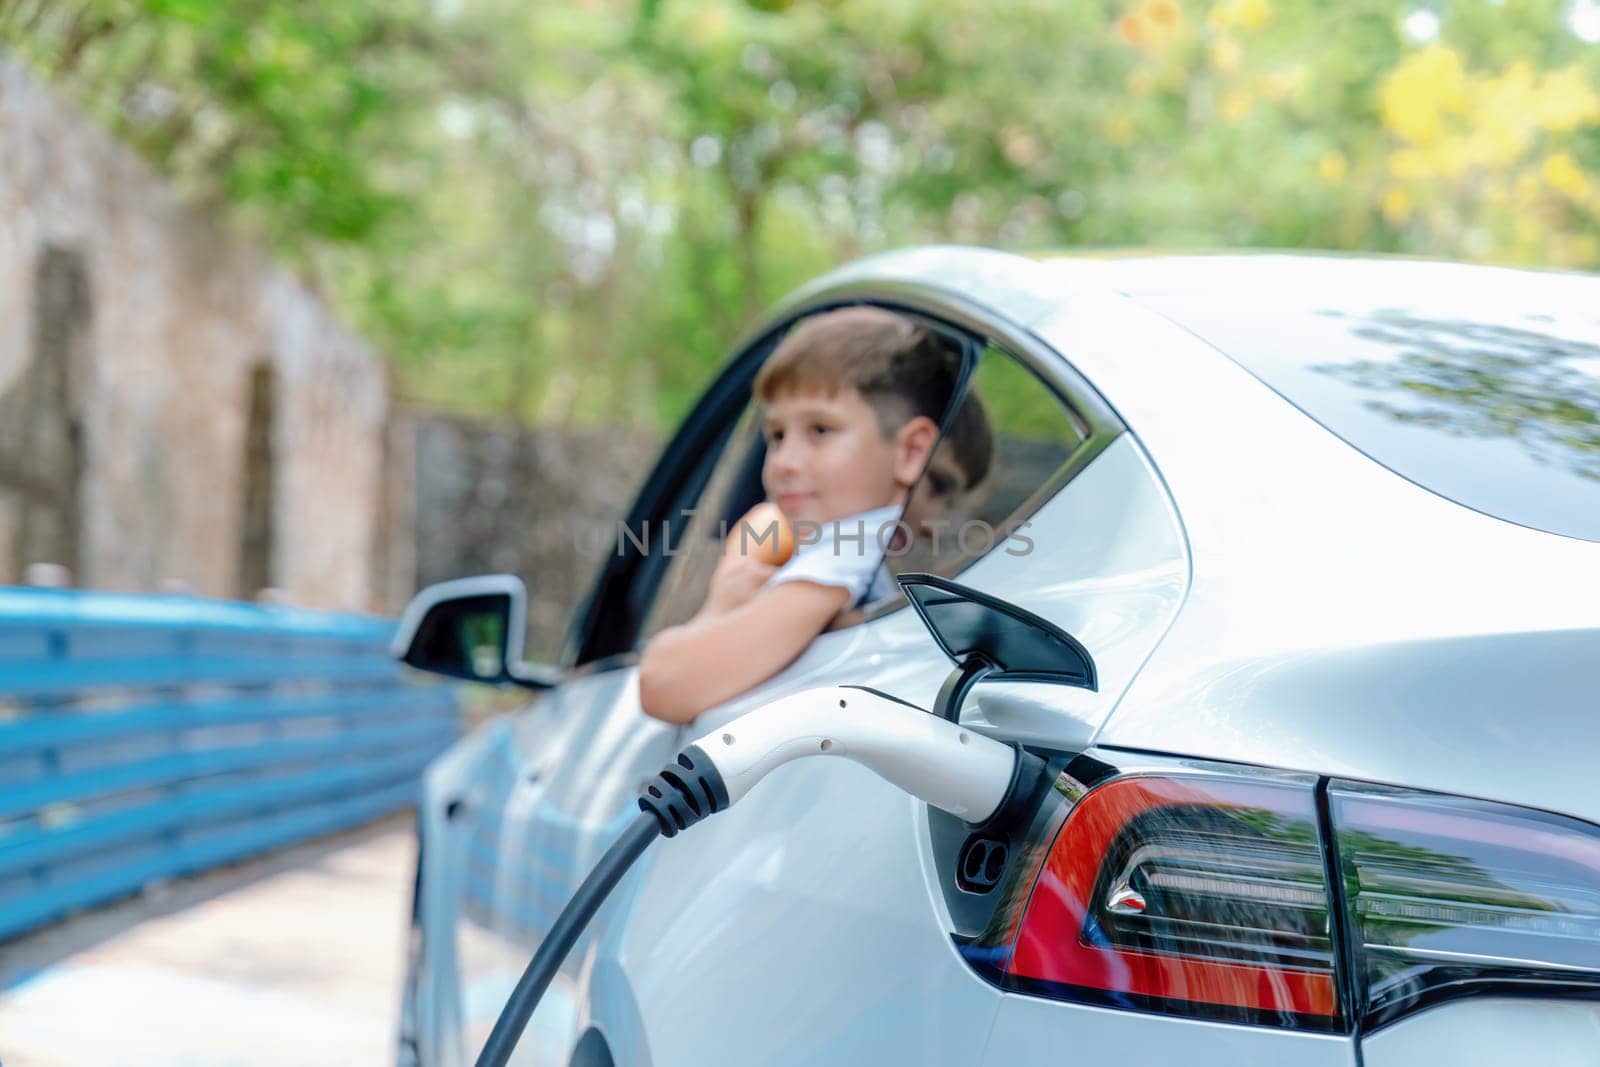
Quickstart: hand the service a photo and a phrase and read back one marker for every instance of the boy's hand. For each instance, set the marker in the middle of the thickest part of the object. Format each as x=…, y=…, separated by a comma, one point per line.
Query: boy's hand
x=735, y=582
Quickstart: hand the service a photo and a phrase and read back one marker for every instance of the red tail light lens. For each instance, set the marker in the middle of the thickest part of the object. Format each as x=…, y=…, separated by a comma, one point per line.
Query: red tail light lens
x=1203, y=890
x=1201, y=896
x=1449, y=897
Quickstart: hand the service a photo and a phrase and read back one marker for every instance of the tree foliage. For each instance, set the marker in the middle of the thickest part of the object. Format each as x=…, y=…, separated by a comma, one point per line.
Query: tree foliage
x=569, y=211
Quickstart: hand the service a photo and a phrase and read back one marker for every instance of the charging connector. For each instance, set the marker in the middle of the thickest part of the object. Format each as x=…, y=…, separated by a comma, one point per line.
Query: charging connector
x=686, y=791
x=943, y=763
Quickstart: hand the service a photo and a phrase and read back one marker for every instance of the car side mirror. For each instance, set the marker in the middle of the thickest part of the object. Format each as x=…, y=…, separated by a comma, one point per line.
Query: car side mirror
x=472, y=629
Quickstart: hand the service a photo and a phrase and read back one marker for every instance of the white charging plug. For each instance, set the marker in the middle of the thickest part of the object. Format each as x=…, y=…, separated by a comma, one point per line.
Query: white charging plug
x=943, y=763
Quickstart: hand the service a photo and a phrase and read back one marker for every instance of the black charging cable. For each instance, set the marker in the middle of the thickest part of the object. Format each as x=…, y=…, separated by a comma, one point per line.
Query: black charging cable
x=562, y=936
x=685, y=792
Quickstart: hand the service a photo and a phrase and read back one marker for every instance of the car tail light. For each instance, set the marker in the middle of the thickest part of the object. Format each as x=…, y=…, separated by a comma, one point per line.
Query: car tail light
x=1204, y=891
x=1200, y=896
x=1450, y=897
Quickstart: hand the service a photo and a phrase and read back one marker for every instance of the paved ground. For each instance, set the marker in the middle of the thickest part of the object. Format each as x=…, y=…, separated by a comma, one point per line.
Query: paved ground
x=293, y=959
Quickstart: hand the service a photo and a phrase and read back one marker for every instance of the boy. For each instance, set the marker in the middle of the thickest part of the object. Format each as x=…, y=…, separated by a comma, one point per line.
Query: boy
x=852, y=405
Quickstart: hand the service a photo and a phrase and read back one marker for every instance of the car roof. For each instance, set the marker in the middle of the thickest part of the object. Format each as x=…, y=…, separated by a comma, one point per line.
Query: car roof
x=1481, y=384
x=1354, y=283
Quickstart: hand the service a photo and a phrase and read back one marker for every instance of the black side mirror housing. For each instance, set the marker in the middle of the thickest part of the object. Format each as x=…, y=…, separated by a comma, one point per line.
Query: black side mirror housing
x=472, y=629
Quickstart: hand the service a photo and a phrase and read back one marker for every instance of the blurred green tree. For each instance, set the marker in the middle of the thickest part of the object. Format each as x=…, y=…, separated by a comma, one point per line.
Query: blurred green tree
x=567, y=212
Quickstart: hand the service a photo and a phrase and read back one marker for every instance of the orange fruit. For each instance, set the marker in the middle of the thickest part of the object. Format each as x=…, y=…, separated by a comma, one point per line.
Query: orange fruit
x=754, y=534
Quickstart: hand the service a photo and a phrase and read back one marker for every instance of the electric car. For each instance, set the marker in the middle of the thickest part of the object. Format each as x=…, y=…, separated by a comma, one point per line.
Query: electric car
x=1327, y=529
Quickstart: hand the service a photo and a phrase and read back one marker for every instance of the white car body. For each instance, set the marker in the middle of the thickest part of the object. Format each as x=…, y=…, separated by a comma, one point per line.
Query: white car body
x=1253, y=590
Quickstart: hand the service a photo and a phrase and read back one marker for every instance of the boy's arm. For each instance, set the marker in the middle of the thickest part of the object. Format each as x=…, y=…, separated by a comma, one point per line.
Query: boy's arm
x=715, y=656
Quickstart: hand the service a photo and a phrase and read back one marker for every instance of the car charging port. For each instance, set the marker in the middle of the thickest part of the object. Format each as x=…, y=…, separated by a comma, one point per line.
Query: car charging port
x=982, y=863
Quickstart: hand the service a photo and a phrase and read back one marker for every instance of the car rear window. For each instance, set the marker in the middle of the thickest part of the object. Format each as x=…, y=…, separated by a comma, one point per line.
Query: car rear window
x=1480, y=384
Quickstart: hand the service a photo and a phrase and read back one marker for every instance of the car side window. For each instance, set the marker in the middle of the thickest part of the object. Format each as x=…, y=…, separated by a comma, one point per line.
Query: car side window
x=734, y=487
x=611, y=624
x=1005, y=449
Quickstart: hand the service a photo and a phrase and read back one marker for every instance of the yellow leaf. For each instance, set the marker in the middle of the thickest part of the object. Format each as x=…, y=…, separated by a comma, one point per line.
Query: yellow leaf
x=1236, y=104
x=1279, y=84
x=1397, y=206
x=1426, y=85
x=1241, y=14
x=1161, y=13
x=1410, y=165
x=1566, y=101
x=1527, y=190
x=1333, y=166
x=1152, y=25
x=711, y=23
x=1562, y=173
x=1225, y=54
x=1497, y=140
x=1447, y=158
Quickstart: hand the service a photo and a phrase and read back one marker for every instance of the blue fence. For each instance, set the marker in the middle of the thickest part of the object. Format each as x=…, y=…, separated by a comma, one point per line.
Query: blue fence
x=143, y=737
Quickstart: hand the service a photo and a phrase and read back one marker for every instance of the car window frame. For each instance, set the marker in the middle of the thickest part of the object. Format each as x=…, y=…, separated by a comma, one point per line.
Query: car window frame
x=1086, y=448
x=1097, y=419
x=608, y=621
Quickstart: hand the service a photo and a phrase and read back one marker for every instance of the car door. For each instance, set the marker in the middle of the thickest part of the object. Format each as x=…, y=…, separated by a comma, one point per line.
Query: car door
x=814, y=921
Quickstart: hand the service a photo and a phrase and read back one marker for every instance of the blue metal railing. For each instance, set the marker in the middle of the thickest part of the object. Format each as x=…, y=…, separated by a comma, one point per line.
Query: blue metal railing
x=144, y=737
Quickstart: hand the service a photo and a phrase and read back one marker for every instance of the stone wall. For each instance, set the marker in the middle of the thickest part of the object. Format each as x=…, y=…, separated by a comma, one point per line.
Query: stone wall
x=541, y=503
x=131, y=330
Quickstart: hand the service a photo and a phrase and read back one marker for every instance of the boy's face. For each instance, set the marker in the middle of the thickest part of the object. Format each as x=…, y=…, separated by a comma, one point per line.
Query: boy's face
x=827, y=459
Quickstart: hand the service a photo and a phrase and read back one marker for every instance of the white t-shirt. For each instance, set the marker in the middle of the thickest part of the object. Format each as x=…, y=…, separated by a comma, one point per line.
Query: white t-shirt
x=847, y=553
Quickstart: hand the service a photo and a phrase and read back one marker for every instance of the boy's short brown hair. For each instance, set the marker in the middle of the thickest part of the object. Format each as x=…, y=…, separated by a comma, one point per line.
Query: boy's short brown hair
x=900, y=368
